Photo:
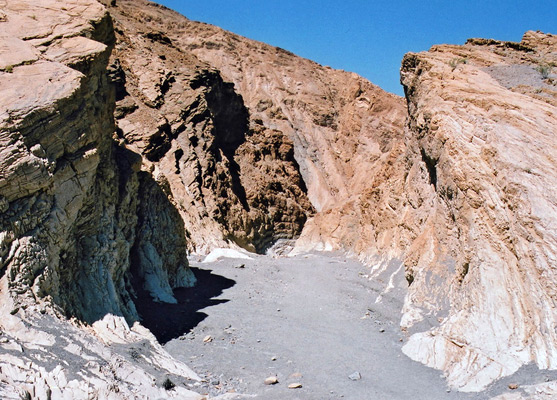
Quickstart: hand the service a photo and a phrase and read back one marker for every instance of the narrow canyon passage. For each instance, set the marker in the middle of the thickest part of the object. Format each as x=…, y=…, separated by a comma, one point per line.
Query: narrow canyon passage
x=132, y=136
x=308, y=319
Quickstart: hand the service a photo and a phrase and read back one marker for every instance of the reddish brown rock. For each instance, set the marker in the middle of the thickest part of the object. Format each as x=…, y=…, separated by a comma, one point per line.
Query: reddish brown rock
x=233, y=179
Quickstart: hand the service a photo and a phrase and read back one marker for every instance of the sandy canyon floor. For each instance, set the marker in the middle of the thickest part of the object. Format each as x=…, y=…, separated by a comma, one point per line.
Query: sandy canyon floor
x=311, y=319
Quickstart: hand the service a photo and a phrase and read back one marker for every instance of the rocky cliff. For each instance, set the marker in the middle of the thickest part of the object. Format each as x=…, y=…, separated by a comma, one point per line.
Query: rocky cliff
x=130, y=136
x=482, y=125
x=297, y=137
x=234, y=180
x=79, y=223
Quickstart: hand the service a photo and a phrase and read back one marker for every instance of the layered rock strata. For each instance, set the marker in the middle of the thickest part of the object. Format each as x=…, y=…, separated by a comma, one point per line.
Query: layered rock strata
x=482, y=125
x=234, y=180
x=76, y=212
x=74, y=204
x=334, y=127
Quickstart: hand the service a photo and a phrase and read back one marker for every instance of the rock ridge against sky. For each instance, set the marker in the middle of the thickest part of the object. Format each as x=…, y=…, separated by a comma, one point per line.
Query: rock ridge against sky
x=370, y=37
x=131, y=136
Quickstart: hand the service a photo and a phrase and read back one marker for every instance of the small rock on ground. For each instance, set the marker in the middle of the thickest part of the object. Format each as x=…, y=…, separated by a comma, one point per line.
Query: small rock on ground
x=355, y=376
x=272, y=380
x=513, y=386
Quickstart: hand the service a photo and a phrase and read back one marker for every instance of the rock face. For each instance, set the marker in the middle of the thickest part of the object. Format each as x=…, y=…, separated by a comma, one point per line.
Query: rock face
x=297, y=132
x=76, y=211
x=129, y=139
x=46, y=358
x=482, y=122
x=234, y=180
x=75, y=207
x=344, y=129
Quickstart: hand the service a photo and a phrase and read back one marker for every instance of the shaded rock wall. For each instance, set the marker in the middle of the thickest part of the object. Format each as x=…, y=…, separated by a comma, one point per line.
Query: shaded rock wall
x=79, y=222
x=233, y=179
x=74, y=208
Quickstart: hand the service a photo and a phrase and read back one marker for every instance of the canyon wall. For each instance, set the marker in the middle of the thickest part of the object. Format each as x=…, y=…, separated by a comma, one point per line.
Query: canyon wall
x=79, y=221
x=482, y=120
x=76, y=207
x=312, y=134
x=233, y=179
x=132, y=136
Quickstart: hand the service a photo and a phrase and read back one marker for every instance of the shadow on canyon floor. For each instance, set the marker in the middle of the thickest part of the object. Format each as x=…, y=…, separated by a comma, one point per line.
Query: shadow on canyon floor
x=170, y=321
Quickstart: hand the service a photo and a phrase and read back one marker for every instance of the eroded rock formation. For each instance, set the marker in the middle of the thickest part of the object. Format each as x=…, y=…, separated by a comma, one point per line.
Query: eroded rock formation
x=233, y=179
x=424, y=201
x=132, y=136
x=482, y=119
x=75, y=212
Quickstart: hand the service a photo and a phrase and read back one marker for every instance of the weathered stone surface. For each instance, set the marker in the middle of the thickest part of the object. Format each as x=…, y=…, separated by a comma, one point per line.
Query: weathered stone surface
x=234, y=180
x=49, y=358
x=75, y=207
x=484, y=261
x=55, y=129
x=542, y=391
x=81, y=228
x=343, y=127
x=222, y=141
x=347, y=134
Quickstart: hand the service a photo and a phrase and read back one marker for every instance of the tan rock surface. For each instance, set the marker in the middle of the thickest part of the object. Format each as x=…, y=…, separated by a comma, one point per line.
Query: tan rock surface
x=338, y=126
x=223, y=141
x=487, y=256
x=233, y=179
x=347, y=133
x=74, y=214
x=342, y=126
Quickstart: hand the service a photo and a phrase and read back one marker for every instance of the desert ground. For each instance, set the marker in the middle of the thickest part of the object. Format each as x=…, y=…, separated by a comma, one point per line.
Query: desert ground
x=311, y=319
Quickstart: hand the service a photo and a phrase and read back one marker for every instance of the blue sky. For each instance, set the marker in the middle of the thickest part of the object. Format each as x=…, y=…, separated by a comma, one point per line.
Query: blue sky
x=366, y=36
